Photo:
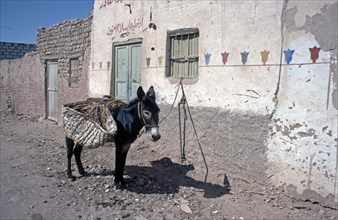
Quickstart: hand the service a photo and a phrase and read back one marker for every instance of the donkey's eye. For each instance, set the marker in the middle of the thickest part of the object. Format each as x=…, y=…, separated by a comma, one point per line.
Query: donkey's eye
x=147, y=114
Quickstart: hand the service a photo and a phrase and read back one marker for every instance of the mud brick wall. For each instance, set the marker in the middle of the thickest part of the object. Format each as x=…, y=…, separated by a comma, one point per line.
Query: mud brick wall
x=62, y=43
x=10, y=51
x=22, y=85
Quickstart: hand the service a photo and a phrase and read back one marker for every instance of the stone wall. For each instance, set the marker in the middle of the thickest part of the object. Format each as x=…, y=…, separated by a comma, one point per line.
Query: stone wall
x=63, y=42
x=22, y=85
x=10, y=51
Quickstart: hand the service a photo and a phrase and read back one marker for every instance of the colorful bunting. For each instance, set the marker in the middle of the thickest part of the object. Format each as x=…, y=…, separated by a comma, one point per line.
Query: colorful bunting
x=225, y=57
x=148, y=61
x=288, y=55
x=244, y=56
x=314, y=53
x=265, y=56
x=207, y=58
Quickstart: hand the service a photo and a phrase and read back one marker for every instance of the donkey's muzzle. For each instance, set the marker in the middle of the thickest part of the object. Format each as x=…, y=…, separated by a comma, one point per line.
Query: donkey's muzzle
x=155, y=137
x=154, y=134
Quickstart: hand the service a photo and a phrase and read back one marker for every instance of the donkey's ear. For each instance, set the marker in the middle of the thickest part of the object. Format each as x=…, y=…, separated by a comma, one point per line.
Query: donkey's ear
x=151, y=93
x=140, y=93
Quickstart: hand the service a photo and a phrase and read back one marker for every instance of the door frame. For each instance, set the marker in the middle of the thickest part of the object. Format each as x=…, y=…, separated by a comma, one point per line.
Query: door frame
x=117, y=44
x=52, y=61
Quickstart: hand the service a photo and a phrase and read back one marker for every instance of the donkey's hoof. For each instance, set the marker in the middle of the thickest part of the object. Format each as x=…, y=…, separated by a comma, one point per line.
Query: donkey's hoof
x=119, y=186
x=71, y=178
x=84, y=174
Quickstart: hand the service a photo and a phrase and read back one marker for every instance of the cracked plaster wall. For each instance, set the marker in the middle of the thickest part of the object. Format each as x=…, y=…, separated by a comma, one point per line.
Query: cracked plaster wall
x=302, y=149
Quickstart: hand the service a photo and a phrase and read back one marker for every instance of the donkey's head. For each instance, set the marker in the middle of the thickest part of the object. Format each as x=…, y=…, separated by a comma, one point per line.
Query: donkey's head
x=149, y=112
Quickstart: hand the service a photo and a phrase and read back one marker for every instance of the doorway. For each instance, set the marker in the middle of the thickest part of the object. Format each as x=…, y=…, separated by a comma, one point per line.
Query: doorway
x=52, y=92
x=126, y=76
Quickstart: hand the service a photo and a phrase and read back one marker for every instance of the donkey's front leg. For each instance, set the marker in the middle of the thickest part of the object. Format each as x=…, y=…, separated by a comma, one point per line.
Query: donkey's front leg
x=120, y=162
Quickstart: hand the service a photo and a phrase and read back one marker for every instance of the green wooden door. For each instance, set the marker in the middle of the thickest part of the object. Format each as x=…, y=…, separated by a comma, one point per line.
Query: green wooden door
x=127, y=70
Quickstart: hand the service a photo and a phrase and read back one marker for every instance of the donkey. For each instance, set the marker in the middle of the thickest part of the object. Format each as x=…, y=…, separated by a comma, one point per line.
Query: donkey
x=130, y=119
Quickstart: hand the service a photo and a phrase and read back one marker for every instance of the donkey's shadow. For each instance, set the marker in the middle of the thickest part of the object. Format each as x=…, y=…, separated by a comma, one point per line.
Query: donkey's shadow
x=166, y=177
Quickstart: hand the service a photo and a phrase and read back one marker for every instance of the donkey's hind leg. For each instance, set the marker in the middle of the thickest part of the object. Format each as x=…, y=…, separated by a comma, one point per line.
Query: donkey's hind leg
x=70, y=147
x=77, y=154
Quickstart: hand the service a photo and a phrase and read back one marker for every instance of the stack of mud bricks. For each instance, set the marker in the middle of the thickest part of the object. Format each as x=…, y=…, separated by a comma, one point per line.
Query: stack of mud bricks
x=10, y=51
x=65, y=41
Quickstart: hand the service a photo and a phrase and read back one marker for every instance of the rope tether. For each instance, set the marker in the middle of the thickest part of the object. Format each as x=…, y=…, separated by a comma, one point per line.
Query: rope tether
x=185, y=106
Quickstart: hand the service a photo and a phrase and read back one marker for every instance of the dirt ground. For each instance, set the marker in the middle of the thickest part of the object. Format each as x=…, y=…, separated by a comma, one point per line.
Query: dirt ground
x=34, y=184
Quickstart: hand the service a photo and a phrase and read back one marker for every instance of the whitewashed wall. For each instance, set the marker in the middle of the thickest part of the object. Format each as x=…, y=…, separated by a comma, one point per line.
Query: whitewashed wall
x=302, y=149
x=301, y=146
x=224, y=26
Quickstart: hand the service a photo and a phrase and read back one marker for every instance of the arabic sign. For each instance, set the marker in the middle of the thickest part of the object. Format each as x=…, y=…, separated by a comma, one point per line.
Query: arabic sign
x=131, y=25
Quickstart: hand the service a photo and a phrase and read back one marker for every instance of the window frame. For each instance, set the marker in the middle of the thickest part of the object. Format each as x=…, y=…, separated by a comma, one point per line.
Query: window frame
x=186, y=60
x=74, y=72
